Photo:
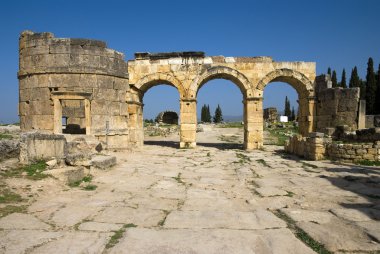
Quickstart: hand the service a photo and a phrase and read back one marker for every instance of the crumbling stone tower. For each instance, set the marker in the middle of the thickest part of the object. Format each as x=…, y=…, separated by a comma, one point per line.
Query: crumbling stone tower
x=75, y=82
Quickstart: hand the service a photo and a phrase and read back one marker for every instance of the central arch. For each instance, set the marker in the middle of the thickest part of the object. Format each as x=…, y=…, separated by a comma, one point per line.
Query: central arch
x=221, y=72
x=216, y=72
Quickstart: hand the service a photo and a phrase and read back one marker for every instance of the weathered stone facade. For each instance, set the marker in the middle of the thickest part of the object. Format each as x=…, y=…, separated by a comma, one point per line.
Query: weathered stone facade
x=335, y=106
x=110, y=90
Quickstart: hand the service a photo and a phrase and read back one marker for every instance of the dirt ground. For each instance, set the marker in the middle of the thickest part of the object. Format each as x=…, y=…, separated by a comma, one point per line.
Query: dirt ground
x=215, y=198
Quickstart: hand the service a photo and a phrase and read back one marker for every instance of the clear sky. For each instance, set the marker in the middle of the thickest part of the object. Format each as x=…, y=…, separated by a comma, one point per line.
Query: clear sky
x=338, y=33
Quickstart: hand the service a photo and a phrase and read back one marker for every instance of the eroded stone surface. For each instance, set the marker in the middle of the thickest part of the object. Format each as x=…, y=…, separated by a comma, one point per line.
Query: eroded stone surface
x=210, y=241
x=22, y=221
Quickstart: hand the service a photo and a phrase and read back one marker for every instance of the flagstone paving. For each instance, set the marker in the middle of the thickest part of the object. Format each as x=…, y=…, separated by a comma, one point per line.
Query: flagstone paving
x=203, y=200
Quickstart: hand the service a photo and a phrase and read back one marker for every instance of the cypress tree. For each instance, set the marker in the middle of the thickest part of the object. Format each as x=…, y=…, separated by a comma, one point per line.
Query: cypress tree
x=334, y=79
x=208, y=114
x=343, y=81
x=377, y=105
x=203, y=115
x=363, y=89
x=329, y=71
x=370, y=95
x=354, y=79
x=287, y=111
x=293, y=115
x=218, y=117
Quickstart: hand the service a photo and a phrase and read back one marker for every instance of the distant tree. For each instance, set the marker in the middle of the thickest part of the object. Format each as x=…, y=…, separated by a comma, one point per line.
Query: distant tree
x=287, y=111
x=370, y=95
x=343, y=81
x=293, y=115
x=329, y=71
x=334, y=79
x=377, y=105
x=354, y=79
x=218, y=117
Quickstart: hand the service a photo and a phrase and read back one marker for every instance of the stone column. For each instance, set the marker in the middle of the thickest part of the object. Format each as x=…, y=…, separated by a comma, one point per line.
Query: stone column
x=87, y=113
x=136, y=125
x=253, y=123
x=188, y=123
x=57, y=116
x=307, y=111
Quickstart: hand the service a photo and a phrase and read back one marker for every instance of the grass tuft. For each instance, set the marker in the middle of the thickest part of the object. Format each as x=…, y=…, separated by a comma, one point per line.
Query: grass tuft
x=115, y=238
x=6, y=210
x=263, y=162
x=301, y=234
x=368, y=163
x=90, y=187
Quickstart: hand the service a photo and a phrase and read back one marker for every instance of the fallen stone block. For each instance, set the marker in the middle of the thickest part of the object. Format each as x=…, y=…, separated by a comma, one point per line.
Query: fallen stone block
x=9, y=149
x=67, y=175
x=103, y=161
x=78, y=159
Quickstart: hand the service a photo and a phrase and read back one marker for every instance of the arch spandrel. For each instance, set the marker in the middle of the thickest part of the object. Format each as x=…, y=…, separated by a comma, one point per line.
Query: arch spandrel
x=221, y=72
x=297, y=80
x=149, y=81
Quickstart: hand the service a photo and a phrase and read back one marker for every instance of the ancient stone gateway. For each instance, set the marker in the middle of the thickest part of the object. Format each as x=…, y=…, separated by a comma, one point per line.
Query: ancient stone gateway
x=110, y=91
x=189, y=71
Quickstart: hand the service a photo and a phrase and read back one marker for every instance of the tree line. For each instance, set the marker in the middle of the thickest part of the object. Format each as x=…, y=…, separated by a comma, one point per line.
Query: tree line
x=206, y=115
x=369, y=88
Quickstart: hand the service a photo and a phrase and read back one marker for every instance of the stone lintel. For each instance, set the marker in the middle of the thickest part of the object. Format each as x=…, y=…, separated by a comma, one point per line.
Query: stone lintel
x=166, y=55
x=69, y=93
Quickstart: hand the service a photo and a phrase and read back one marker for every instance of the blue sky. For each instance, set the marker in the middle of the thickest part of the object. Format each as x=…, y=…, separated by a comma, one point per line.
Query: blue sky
x=338, y=33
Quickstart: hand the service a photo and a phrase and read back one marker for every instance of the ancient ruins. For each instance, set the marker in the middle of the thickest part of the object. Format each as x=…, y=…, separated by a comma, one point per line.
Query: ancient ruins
x=74, y=187
x=79, y=86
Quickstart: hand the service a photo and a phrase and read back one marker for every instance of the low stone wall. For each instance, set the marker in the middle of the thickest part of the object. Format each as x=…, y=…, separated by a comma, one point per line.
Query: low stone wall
x=353, y=152
x=317, y=147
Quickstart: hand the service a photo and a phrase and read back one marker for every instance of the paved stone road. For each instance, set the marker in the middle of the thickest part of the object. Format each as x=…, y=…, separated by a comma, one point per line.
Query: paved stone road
x=204, y=200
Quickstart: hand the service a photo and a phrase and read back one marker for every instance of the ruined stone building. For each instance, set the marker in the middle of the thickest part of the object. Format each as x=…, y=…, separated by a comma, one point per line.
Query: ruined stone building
x=270, y=115
x=167, y=117
x=81, y=86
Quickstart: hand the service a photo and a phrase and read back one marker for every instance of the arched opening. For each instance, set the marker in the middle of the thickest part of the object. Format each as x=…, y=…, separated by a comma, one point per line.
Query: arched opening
x=304, y=90
x=226, y=131
x=160, y=113
x=280, y=105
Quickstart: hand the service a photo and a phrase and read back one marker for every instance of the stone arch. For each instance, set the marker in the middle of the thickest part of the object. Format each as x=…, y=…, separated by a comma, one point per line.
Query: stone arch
x=221, y=72
x=297, y=80
x=149, y=81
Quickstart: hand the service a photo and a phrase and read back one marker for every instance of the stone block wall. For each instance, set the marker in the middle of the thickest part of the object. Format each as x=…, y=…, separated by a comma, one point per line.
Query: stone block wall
x=51, y=69
x=353, y=151
x=311, y=148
